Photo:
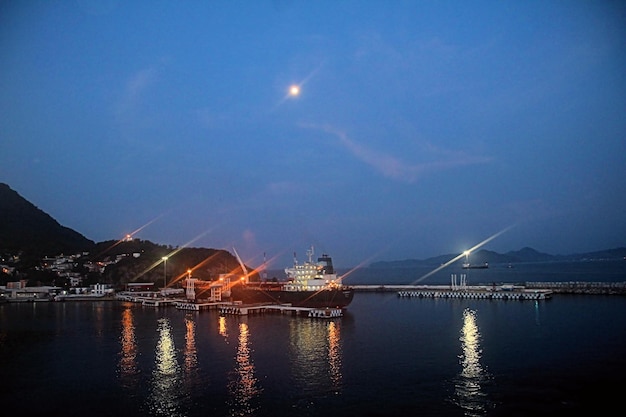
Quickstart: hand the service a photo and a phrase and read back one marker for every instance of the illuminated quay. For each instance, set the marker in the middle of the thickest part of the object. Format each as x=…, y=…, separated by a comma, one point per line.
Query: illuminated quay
x=461, y=291
x=236, y=308
x=479, y=293
x=244, y=310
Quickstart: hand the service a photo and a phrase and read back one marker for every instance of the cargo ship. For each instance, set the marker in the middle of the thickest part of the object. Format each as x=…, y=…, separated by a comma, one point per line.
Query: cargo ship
x=468, y=265
x=309, y=284
x=475, y=266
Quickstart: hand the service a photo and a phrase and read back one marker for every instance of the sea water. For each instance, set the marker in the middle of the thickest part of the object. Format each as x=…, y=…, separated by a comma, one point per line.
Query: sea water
x=387, y=356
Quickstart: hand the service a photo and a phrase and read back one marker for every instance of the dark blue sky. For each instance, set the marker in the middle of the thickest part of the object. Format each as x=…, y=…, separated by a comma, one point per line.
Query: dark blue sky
x=421, y=127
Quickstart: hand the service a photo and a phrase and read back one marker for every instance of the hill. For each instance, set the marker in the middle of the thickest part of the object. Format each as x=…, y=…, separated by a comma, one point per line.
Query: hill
x=141, y=260
x=33, y=234
x=523, y=255
x=27, y=229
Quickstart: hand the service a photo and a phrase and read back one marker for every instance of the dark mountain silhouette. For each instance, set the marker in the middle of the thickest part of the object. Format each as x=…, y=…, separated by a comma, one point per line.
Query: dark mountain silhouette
x=26, y=229
x=523, y=255
x=528, y=255
x=141, y=260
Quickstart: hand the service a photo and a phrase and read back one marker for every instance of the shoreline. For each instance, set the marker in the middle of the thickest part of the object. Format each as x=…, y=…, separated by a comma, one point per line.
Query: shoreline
x=552, y=287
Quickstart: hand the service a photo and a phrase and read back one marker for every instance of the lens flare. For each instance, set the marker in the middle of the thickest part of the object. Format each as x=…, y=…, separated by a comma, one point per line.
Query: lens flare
x=129, y=236
x=463, y=254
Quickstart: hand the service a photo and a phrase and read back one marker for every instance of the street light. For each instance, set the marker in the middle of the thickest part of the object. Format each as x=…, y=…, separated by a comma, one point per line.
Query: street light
x=164, y=271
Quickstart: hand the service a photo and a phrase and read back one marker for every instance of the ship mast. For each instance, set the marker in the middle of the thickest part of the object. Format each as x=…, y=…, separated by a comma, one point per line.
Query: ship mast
x=309, y=253
x=243, y=267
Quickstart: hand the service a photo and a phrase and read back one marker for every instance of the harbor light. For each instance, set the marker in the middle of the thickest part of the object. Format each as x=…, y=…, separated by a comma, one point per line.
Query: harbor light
x=164, y=271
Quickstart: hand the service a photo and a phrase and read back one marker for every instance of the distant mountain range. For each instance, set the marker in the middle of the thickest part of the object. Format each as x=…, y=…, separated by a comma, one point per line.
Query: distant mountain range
x=523, y=255
x=27, y=229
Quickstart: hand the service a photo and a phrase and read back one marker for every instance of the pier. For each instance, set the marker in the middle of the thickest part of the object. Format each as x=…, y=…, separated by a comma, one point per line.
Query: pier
x=487, y=292
x=546, y=287
x=189, y=306
x=581, y=287
x=246, y=310
x=154, y=302
x=235, y=308
x=479, y=294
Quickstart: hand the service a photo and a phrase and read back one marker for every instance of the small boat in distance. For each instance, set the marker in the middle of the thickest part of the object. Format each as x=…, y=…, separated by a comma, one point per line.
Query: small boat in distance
x=310, y=284
x=467, y=265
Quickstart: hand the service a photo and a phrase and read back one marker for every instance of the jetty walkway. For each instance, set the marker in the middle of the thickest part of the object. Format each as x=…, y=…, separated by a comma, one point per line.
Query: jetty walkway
x=526, y=290
x=581, y=287
x=501, y=292
x=235, y=308
x=244, y=310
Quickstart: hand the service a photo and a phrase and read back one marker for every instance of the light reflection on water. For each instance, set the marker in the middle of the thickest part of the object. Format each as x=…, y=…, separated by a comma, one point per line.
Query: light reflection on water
x=165, y=384
x=315, y=354
x=223, y=330
x=190, y=354
x=334, y=354
x=243, y=387
x=374, y=355
x=128, y=356
x=315, y=363
x=537, y=320
x=469, y=393
x=98, y=320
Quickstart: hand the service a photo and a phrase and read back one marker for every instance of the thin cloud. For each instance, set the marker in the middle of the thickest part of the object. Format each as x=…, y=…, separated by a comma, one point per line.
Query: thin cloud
x=395, y=168
x=134, y=89
x=129, y=111
x=281, y=187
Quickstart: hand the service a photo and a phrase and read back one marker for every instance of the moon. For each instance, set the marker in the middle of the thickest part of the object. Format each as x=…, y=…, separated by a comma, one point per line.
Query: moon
x=294, y=90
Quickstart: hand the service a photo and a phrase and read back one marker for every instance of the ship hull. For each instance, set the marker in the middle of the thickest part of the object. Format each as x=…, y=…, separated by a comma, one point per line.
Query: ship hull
x=472, y=266
x=327, y=298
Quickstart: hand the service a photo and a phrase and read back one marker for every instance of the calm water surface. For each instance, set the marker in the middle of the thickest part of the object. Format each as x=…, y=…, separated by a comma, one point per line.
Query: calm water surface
x=387, y=356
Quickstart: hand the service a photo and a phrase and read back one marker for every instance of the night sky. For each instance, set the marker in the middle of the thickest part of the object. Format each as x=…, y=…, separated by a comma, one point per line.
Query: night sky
x=420, y=128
